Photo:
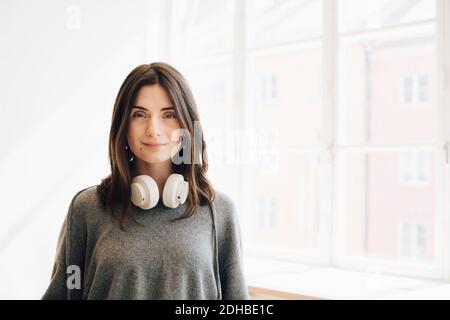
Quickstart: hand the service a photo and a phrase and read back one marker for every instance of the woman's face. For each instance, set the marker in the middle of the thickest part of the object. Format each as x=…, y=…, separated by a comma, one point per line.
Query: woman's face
x=152, y=134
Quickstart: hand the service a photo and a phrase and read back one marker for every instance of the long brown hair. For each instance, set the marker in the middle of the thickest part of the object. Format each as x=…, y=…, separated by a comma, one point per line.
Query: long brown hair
x=114, y=190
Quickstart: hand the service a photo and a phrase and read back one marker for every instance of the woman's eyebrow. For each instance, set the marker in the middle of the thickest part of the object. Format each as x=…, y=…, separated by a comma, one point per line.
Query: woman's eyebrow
x=162, y=109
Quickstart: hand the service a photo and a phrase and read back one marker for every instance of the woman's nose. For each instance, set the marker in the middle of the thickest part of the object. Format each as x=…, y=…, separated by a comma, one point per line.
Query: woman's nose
x=153, y=128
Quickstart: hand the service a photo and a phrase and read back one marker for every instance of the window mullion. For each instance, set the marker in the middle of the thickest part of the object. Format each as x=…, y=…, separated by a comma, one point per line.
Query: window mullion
x=244, y=177
x=329, y=56
x=443, y=68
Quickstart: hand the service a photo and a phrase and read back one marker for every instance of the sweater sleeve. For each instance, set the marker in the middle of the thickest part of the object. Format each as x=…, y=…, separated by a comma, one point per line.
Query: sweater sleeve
x=67, y=274
x=232, y=275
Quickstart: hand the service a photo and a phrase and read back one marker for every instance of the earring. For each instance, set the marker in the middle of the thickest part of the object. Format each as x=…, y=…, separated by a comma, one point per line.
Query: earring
x=132, y=157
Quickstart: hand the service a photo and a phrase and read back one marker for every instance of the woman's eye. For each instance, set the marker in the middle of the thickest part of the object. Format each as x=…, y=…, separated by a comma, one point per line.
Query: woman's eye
x=138, y=115
x=170, y=115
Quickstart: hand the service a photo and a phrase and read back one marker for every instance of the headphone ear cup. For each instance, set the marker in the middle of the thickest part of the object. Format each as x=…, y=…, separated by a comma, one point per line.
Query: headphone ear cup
x=175, y=191
x=144, y=192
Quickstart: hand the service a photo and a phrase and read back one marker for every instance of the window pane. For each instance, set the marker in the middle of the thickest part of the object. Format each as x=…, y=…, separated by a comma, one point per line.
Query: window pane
x=373, y=14
x=387, y=87
x=285, y=204
x=201, y=28
x=407, y=90
x=386, y=214
x=281, y=21
x=211, y=84
x=286, y=94
x=424, y=88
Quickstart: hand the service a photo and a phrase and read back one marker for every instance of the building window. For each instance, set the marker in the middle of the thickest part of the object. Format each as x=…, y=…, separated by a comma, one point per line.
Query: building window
x=423, y=89
x=268, y=87
x=412, y=241
x=416, y=90
x=407, y=90
x=415, y=168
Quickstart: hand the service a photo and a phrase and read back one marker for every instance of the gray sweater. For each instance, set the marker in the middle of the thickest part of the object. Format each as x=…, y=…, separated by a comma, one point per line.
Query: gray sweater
x=195, y=258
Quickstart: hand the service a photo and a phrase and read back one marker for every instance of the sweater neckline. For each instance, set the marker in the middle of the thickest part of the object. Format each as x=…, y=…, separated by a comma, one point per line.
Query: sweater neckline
x=160, y=207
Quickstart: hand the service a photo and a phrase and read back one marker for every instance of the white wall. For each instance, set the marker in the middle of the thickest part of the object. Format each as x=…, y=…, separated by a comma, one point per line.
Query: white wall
x=60, y=73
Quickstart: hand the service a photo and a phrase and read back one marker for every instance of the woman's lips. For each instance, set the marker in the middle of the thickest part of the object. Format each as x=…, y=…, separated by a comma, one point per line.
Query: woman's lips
x=154, y=145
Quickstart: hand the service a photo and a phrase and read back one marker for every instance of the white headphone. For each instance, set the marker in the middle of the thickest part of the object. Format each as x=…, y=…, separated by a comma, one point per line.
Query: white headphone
x=145, y=193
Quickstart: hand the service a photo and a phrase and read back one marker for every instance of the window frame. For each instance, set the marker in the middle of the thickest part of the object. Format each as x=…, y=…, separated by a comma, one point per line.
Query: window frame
x=329, y=252
x=441, y=268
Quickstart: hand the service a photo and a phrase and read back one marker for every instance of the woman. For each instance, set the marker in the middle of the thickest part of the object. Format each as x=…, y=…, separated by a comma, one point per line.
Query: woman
x=141, y=234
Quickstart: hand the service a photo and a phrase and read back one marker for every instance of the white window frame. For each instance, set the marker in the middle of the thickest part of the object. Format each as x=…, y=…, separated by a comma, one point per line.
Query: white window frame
x=441, y=269
x=330, y=253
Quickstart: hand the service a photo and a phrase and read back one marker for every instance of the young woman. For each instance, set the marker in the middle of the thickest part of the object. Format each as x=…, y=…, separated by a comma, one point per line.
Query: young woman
x=154, y=228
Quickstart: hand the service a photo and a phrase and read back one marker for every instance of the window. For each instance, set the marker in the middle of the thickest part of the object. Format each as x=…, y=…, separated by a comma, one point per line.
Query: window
x=347, y=119
x=412, y=241
x=268, y=88
x=414, y=168
x=282, y=21
x=200, y=28
x=386, y=166
x=407, y=90
x=416, y=90
x=423, y=88
x=374, y=192
x=376, y=14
